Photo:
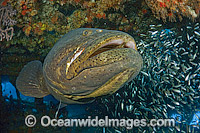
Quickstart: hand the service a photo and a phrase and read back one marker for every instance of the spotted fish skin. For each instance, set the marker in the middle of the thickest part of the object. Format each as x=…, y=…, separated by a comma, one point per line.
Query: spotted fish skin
x=87, y=63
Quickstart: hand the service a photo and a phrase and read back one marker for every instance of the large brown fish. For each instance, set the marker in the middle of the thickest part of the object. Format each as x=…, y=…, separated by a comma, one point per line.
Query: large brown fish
x=84, y=64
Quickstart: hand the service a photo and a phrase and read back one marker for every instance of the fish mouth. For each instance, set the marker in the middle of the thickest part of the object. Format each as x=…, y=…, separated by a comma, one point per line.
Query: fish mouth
x=114, y=44
x=80, y=58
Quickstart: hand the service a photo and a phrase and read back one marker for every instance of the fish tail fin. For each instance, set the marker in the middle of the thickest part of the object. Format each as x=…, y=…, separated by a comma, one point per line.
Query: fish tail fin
x=30, y=81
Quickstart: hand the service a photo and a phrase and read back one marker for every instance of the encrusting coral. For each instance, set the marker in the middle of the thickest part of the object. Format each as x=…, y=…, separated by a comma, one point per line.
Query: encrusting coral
x=171, y=9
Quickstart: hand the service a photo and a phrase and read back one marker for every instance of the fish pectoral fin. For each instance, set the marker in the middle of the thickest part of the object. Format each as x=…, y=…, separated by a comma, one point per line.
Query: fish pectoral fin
x=30, y=81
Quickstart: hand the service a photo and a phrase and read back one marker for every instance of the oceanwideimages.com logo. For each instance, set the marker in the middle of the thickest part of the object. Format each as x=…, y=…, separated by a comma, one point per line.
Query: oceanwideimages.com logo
x=46, y=121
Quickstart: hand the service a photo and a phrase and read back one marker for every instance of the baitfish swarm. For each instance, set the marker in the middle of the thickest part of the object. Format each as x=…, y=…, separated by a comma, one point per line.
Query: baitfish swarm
x=169, y=81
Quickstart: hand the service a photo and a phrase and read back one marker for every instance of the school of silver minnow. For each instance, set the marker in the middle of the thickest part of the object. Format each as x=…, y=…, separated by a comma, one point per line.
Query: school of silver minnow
x=169, y=80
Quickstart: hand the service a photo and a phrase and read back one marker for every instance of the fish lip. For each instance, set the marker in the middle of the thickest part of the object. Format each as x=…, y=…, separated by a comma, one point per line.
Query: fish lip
x=112, y=39
x=119, y=39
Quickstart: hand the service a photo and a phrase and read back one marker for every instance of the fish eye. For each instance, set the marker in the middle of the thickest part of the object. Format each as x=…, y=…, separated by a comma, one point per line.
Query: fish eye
x=87, y=32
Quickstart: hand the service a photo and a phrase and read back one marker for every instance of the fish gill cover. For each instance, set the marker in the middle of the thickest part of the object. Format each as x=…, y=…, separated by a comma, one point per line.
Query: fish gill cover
x=167, y=86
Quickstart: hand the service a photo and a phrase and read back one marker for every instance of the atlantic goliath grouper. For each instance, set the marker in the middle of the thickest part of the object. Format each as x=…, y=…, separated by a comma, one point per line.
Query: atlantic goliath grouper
x=84, y=64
